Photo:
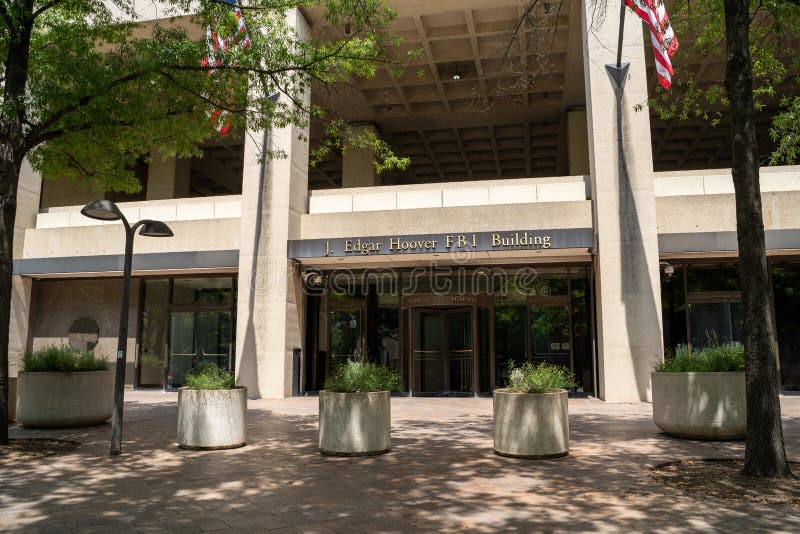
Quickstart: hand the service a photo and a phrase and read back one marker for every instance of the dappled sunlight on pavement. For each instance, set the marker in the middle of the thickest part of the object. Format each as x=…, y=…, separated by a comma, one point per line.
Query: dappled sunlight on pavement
x=440, y=475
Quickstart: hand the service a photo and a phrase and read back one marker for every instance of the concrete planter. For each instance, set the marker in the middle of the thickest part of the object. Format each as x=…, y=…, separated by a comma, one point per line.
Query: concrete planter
x=212, y=418
x=700, y=405
x=64, y=400
x=354, y=424
x=531, y=425
x=12, y=398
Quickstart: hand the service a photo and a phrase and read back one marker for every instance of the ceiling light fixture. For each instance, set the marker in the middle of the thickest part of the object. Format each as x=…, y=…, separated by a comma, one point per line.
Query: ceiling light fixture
x=456, y=76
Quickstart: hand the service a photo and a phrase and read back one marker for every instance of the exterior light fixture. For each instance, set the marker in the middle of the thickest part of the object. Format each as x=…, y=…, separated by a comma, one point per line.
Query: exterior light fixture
x=457, y=76
x=102, y=210
x=105, y=210
x=669, y=270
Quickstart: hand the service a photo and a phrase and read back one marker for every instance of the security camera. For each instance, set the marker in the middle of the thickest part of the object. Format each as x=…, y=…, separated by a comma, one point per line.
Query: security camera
x=313, y=278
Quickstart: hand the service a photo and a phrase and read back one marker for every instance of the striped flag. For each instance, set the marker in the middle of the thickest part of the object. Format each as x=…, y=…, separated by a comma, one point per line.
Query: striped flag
x=663, y=37
x=217, y=45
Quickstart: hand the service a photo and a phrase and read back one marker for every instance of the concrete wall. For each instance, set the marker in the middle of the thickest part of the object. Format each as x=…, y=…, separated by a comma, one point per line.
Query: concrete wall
x=549, y=215
x=717, y=213
x=720, y=181
x=63, y=192
x=219, y=234
x=28, y=192
x=56, y=304
x=446, y=195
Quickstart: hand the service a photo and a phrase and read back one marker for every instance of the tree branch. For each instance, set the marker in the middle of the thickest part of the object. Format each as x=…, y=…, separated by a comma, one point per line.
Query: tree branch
x=35, y=136
x=45, y=7
x=6, y=16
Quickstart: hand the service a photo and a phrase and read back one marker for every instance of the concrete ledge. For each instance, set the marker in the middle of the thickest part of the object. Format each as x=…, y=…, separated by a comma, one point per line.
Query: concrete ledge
x=176, y=209
x=720, y=181
x=451, y=194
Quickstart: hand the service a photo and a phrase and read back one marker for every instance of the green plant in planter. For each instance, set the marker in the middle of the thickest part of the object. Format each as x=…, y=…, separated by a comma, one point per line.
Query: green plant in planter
x=717, y=357
x=63, y=359
x=209, y=376
x=352, y=377
x=541, y=378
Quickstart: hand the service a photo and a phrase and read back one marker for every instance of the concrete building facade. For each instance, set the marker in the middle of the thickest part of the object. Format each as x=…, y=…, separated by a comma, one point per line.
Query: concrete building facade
x=546, y=216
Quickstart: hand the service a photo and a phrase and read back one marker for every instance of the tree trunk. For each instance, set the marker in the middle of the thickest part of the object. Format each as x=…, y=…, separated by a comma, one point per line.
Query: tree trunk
x=765, y=455
x=13, y=147
x=9, y=177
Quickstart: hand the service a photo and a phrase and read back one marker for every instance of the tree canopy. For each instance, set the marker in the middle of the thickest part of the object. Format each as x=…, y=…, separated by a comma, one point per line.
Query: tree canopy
x=775, y=53
x=98, y=89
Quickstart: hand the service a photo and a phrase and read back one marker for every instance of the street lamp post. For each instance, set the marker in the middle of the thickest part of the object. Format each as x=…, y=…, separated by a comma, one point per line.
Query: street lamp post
x=105, y=210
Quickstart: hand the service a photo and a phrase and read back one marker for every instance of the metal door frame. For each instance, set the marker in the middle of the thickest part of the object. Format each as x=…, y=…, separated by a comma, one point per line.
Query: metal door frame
x=446, y=311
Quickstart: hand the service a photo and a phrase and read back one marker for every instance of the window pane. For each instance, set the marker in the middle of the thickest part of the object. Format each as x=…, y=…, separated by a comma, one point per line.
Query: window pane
x=717, y=278
x=720, y=320
x=345, y=335
x=202, y=291
x=550, y=339
x=153, y=343
x=786, y=285
x=509, y=339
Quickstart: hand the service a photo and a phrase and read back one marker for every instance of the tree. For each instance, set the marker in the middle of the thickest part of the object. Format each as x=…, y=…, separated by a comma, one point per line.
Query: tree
x=86, y=92
x=762, y=60
x=765, y=454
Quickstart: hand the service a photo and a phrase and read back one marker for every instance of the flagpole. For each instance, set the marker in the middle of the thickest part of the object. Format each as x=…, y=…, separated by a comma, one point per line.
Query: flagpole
x=619, y=71
x=621, y=29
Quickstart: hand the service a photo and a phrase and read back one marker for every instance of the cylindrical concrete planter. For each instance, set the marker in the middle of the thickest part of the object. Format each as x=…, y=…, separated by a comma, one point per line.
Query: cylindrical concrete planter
x=531, y=425
x=64, y=400
x=354, y=424
x=12, y=398
x=700, y=405
x=212, y=418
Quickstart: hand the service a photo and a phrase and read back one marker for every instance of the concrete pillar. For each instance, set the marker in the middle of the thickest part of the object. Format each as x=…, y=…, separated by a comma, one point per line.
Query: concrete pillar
x=269, y=311
x=167, y=177
x=577, y=142
x=29, y=191
x=628, y=292
x=358, y=167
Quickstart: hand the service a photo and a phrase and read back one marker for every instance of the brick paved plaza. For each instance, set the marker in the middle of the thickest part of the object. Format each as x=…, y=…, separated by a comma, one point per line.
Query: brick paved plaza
x=440, y=476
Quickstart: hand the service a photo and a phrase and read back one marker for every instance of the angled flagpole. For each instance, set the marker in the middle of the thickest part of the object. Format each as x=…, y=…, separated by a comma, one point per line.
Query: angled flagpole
x=619, y=71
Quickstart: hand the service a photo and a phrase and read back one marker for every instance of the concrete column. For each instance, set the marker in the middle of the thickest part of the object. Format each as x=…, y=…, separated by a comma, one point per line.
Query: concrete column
x=628, y=292
x=577, y=142
x=269, y=312
x=29, y=191
x=167, y=177
x=358, y=167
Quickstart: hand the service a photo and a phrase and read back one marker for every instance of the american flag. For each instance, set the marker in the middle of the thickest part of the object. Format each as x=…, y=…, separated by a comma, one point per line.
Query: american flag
x=216, y=43
x=663, y=37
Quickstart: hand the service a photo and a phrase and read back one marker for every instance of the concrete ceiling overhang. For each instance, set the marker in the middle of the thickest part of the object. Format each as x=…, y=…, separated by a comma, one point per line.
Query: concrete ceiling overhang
x=486, y=98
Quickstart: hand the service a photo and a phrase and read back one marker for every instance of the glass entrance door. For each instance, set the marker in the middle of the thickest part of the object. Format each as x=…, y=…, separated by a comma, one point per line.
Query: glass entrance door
x=197, y=338
x=443, y=351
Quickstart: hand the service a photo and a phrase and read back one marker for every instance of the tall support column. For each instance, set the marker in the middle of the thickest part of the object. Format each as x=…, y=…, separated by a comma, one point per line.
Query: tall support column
x=628, y=291
x=167, y=177
x=358, y=164
x=270, y=304
x=29, y=192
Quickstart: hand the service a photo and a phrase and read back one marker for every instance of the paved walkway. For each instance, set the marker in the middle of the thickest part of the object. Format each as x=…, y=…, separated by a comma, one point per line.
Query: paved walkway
x=440, y=476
